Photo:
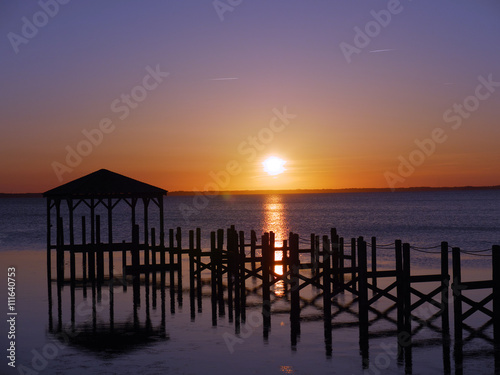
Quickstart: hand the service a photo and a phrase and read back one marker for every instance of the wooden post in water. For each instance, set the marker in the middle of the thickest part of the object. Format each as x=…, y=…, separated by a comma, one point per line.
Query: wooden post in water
x=313, y=254
x=162, y=255
x=236, y=274
x=335, y=257
x=316, y=256
x=266, y=292
x=191, y=274
x=110, y=239
x=400, y=298
x=445, y=283
x=272, y=254
x=253, y=245
x=495, y=252
x=171, y=250
x=341, y=263
x=353, y=262
x=230, y=272
x=179, y=263
x=407, y=307
x=363, y=291
x=92, y=252
x=213, y=271
x=124, y=264
x=242, y=277
x=457, y=295
x=285, y=261
x=407, y=289
x=327, y=298
x=99, y=252
x=295, y=286
x=374, y=261
x=49, y=261
x=60, y=251
x=400, y=285
x=72, y=253
x=198, y=268
x=220, y=285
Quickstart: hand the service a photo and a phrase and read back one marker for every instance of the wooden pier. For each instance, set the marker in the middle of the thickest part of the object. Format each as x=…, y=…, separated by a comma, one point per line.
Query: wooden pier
x=237, y=267
x=342, y=280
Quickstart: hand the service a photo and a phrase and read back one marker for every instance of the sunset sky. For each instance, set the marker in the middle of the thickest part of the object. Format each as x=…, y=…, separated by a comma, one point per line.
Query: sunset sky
x=188, y=95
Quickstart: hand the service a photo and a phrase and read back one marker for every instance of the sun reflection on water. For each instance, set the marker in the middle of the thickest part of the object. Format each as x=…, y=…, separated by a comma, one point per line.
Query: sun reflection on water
x=275, y=221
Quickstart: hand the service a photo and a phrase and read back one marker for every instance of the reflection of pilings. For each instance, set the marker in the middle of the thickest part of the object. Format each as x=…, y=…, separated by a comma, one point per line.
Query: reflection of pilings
x=341, y=263
x=94, y=308
x=496, y=304
x=327, y=302
x=363, y=301
x=496, y=294
x=363, y=298
x=191, y=275
x=59, y=306
x=445, y=282
x=407, y=290
x=242, y=276
x=218, y=265
x=111, y=305
x=457, y=293
x=198, y=268
x=213, y=280
x=353, y=263
x=230, y=272
x=400, y=298
x=266, y=291
x=172, y=276
x=179, y=262
x=49, y=259
x=99, y=328
x=294, y=288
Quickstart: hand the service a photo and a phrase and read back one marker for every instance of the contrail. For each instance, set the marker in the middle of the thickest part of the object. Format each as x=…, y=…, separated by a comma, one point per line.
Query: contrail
x=223, y=79
x=381, y=50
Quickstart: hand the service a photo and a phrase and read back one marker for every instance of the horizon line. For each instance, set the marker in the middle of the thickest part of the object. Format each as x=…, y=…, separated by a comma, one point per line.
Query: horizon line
x=299, y=191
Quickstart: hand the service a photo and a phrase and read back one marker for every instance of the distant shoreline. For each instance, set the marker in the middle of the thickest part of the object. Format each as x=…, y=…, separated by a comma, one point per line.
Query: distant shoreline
x=291, y=191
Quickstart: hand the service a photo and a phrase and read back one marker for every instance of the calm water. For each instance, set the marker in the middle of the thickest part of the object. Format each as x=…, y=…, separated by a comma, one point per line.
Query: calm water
x=467, y=219
x=470, y=220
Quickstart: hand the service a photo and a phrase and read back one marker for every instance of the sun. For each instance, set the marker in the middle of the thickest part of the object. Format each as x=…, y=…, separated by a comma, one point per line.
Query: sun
x=274, y=165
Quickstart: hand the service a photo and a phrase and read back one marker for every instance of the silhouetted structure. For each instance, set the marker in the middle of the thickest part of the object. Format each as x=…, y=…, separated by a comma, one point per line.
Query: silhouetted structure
x=105, y=188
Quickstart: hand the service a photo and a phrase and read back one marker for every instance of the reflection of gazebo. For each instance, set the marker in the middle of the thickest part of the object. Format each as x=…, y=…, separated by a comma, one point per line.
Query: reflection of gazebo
x=104, y=188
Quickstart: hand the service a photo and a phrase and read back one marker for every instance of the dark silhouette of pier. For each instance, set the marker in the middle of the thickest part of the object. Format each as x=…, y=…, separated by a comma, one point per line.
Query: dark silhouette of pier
x=341, y=280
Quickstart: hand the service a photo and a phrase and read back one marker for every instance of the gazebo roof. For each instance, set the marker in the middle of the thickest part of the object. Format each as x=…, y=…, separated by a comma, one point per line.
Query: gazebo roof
x=104, y=183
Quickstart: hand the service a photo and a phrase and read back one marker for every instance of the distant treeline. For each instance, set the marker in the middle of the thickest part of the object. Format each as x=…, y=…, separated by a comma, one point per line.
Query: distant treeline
x=296, y=191
x=329, y=191
x=20, y=195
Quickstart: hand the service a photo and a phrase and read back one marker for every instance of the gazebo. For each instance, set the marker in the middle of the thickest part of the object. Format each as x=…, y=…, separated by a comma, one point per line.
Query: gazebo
x=102, y=190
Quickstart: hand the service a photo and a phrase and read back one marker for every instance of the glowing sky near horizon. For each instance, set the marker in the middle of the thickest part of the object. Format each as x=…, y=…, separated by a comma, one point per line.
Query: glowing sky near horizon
x=222, y=109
